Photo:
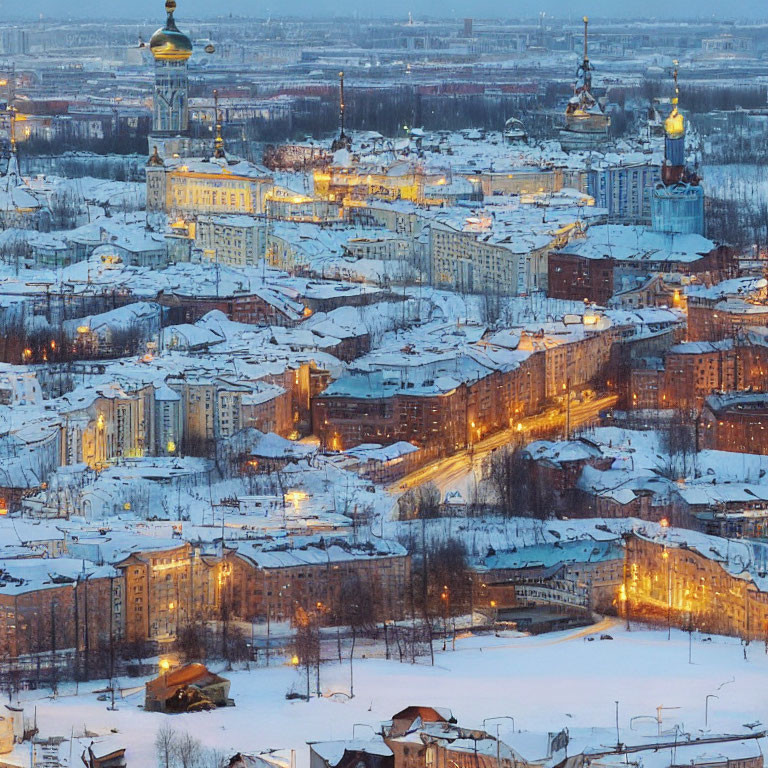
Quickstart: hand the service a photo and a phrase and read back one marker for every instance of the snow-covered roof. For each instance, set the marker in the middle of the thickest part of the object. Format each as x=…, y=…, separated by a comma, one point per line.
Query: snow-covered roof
x=27, y=575
x=639, y=244
x=332, y=752
x=547, y=555
x=316, y=551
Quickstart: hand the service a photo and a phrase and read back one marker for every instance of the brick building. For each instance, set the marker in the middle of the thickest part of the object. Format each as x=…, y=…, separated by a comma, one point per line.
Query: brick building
x=694, y=370
x=440, y=404
x=558, y=466
x=165, y=588
x=445, y=399
x=348, y=417
x=736, y=421
x=575, y=278
x=691, y=371
x=646, y=383
x=574, y=354
x=56, y=604
x=688, y=579
x=258, y=307
x=714, y=320
x=611, y=258
x=271, y=582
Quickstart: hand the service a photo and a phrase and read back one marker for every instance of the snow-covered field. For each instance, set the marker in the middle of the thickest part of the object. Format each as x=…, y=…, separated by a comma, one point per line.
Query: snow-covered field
x=545, y=683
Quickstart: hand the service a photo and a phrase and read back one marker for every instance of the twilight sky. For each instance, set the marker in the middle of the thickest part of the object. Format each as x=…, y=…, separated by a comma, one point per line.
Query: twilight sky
x=734, y=9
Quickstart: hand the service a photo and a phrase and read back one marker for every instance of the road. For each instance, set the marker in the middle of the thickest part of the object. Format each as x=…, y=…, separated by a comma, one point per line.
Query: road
x=444, y=473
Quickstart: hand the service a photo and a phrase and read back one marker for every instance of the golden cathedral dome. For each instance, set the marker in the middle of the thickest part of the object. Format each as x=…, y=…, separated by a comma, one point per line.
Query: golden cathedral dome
x=168, y=43
x=674, y=125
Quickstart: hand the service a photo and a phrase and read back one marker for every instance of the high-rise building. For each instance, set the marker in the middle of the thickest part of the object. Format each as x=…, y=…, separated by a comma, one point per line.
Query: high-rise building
x=171, y=50
x=677, y=202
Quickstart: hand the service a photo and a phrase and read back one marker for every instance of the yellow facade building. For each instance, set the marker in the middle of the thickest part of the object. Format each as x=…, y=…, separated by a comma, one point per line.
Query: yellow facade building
x=191, y=187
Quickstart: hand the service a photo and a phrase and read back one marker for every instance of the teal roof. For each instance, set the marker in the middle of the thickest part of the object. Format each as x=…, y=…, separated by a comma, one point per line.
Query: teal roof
x=547, y=555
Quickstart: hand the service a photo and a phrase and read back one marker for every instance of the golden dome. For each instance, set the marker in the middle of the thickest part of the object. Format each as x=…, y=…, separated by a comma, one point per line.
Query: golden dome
x=674, y=125
x=168, y=43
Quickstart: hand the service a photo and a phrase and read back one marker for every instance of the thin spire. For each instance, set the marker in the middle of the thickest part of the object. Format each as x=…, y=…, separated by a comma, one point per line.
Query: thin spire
x=12, y=110
x=677, y=87
x=585, y=65
x=218, y=142
x=342, y=142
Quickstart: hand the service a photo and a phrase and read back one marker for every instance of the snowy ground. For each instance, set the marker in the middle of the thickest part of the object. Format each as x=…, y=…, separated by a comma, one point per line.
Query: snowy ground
x=545, y=683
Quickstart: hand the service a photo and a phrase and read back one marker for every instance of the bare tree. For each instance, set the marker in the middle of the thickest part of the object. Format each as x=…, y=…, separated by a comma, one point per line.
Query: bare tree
x=188, y=751
x=165, y=745
x=422, y=502
x=677, y=440
x=357, y=610
x=307, y=644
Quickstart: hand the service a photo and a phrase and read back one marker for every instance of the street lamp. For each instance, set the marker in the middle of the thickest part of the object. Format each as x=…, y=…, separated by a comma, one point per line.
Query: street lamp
x=659, y=710
x=706, y=707
x=498, y=743
x=640, y=717
x=500, y=717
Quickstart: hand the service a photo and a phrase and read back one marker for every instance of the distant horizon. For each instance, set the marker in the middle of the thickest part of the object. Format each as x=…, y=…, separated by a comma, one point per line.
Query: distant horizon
x=744, y=11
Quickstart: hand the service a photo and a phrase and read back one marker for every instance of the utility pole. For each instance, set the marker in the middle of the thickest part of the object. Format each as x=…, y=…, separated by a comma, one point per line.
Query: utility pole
x=112, y=706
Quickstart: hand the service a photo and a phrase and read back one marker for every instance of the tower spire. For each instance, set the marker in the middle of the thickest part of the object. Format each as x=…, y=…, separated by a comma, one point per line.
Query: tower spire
x=677, y=86
x=12, y=110
x=171, y=50
x=343, y=141
x=218, y=142
x=674, y=138
x=585, y=65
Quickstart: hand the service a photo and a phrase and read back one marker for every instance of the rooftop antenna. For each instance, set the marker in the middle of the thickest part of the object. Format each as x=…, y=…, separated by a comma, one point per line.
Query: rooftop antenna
x=218, y=142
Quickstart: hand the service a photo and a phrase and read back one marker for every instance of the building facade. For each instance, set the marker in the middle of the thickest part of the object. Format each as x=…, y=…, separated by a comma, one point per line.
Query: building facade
x=692, y=585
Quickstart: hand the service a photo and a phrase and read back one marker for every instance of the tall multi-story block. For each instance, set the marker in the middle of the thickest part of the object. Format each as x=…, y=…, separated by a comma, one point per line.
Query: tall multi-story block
x=99, y=424
x=472, y=258
x=235, y=240
x=169, y=421
x=166, y=587
x=624, y=190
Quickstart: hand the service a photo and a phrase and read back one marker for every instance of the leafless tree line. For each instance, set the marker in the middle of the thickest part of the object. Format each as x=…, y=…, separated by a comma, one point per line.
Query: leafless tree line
x=176, y=748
